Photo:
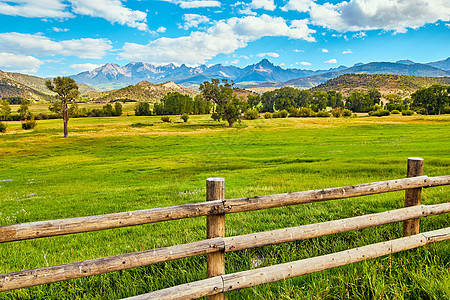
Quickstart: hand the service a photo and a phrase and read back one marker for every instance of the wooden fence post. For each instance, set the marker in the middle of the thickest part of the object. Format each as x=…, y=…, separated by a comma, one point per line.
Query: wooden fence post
x=215, y=227
x=413, y=196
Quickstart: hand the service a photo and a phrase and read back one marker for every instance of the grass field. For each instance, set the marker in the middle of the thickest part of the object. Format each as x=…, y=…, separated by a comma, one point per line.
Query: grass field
x=107, y=166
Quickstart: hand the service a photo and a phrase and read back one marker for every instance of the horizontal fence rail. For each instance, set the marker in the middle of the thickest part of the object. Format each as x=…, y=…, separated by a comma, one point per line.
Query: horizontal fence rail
x=24, y=231
x=91, y=267
x=245, y=279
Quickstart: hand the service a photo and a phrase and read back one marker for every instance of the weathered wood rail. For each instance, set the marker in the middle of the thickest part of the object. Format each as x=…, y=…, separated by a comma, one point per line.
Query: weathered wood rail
x=216, y=244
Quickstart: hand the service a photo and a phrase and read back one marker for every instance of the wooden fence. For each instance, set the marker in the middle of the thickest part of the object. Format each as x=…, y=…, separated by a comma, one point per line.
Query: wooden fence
x=216, y=244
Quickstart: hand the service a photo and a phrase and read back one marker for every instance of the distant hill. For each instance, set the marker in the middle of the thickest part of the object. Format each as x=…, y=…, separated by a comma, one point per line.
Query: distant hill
x=145, y=91
x=442, y=64
x=411, y=69
x=30, y=87
x=387, y=84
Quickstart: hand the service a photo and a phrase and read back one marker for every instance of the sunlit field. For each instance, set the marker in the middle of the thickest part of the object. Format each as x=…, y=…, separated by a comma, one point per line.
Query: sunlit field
x=106, y=166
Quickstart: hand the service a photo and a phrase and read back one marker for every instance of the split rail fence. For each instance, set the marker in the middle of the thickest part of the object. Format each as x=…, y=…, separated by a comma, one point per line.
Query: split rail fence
x=216, y=244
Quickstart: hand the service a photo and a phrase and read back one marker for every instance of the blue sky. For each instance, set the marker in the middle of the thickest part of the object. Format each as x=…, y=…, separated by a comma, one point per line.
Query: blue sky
x=59, y=37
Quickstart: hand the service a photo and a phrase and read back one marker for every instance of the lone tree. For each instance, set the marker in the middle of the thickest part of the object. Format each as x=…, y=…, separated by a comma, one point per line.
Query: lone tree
x=227, y=106
x=67, y=90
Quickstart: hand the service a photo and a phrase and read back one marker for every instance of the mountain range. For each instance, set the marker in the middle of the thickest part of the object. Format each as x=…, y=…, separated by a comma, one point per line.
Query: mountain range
x=262, y=74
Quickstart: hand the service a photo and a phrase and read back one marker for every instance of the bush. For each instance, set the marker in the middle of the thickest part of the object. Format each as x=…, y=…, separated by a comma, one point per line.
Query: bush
x=29, y=124
x=306, y=112
x=323, y=114
x=251, y=114
x=407, y=112
x=395, y=112
x=41, y=116
x=337, y=112
x=166, y=119
x=138, y=124
x=446, y=110
x=293, y=112
x=347, y=113
x=380, y=113
x=184, y=117
x=283, y=113
x=3, y=127
x=268, y=115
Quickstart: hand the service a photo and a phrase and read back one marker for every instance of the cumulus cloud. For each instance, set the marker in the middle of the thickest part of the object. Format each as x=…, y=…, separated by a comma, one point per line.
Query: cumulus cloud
x=194, y=20
x=303, y=63
x=360, y=35
x=264, y=4
x=195, y=3
x=325, y=50
x=38, y=45
x=84, y=67
x=35, y=9
x=298, y=5
x=225, y=36
x=393, y=15
x=298, y=50
x=271, y=54
x=161, y=29
x=111, y=10
x=348, y=51
x=331, y=61
x=56, y=29
x=19, y=63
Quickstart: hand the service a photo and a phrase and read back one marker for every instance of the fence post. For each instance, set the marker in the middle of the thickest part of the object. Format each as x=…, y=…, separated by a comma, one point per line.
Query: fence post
x=215, y=227
x=413, y=196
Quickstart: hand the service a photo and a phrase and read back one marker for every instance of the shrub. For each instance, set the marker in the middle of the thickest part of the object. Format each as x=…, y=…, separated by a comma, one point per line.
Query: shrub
x=29, y=124
x=41, y=116
x=446, y=110
x=323, y=114
x=337, y=112
x=395, y=112
x=251, y=114
x=166, y=119
x=380, y=113
x=139, y=124
x=3, y=127
x=293, y=112
x=407, y=112
x=283, y=113
x=184, y=117
x=268, y=115
x=347, y=113
x=306, y=112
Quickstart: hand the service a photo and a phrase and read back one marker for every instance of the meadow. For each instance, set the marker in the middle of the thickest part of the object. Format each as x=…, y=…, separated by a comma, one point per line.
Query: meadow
x=106, y=166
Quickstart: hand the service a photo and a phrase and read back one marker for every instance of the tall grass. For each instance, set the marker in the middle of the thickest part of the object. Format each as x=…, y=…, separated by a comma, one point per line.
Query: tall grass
x=107, y=166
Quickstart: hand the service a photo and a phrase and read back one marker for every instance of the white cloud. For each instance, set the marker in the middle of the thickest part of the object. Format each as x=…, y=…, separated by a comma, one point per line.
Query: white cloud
x=448, y=25
x=38, y=45
x=225, y=36
x=271, y=54
x=303, y=63
x=331, y=61
x=195, y=3
x=325, y=50
x=35, y=9
x=247, y=11
x=56, y=29
x=360, y=35
x=348, y=51
x=298, y=5
x=264, y=4
x=194, y=20
x=235, y=62
x=297, y=50
x=111, y=10
x=161, y=29
x=19, y=63
x=392, y=15
x=84, y=67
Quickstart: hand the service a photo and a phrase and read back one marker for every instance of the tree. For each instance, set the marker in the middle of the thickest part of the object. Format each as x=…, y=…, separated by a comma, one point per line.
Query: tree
x=432, y=100
x=117, y=109
x=5, y=110
x=24, y=110
x=142, y=109
x=67, y=90
x=228, y=107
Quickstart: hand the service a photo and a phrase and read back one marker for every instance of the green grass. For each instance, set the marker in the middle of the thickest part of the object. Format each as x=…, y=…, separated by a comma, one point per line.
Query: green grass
x=108, y=166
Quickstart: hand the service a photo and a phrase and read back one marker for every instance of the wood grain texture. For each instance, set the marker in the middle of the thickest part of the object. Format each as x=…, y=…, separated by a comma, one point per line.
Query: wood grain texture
x=413, y=196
